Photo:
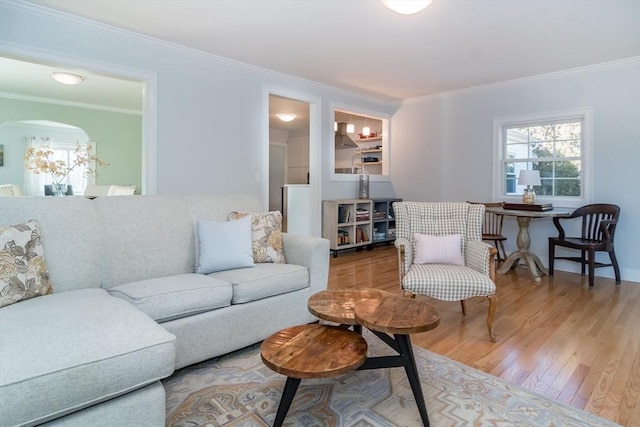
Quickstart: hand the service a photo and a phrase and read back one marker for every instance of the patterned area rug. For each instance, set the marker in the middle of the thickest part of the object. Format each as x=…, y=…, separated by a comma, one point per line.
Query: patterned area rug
x=237, y=390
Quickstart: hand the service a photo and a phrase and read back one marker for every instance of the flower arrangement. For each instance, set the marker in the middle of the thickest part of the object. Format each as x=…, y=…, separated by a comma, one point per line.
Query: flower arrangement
x=41, y=160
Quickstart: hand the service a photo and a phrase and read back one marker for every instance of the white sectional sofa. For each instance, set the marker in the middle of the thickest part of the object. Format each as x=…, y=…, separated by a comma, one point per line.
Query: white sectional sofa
x=127, y=307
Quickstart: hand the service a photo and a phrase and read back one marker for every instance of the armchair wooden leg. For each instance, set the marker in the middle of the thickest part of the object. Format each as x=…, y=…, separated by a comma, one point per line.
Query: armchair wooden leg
x=493, y=302
x=464, y=307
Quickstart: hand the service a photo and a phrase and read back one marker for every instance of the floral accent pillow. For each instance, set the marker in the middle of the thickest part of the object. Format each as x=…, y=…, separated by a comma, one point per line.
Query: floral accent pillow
x=23, y=271
x=266, y=236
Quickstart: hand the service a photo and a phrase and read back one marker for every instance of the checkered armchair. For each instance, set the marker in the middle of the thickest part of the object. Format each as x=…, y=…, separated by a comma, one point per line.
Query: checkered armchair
x=446, y=282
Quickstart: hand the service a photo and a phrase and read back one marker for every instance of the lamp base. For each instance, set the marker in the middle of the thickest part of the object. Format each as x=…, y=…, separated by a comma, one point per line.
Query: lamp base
x=529, y=196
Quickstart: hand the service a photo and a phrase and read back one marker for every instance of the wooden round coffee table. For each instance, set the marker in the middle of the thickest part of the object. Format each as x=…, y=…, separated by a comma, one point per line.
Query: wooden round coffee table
x=336, y=305
x=399, y=316
x=311, y=351
x=391, y=318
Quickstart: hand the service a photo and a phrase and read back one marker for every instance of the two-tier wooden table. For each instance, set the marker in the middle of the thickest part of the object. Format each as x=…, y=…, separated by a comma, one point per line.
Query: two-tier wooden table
x=383, y=314
x=311, y=351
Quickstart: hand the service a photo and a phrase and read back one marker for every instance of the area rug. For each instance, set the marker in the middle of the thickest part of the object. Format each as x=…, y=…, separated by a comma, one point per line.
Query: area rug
x=237, y=390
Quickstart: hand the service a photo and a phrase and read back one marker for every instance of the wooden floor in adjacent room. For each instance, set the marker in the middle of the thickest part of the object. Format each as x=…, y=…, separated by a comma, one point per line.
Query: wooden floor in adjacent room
x=556, y=337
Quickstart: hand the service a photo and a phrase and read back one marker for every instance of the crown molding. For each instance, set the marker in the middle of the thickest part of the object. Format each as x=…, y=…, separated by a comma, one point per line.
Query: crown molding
x=38, y=10
x=21, y=97
x=621, y=63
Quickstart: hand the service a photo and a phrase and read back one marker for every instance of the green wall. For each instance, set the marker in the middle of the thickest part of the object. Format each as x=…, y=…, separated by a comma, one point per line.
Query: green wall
x=119, y=135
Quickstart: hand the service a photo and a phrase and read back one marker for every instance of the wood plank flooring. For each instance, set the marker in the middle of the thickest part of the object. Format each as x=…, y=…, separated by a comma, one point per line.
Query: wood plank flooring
x=557, y=338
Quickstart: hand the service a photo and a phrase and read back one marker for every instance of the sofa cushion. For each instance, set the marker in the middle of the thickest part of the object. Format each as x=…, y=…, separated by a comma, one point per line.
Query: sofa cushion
x=266, y=235
x=23, y=270
x=224, y=245
x=75, y=349
x=264, y=280
x=169, y=298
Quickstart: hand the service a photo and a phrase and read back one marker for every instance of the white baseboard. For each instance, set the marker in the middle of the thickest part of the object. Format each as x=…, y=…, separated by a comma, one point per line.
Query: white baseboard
x=626, y=274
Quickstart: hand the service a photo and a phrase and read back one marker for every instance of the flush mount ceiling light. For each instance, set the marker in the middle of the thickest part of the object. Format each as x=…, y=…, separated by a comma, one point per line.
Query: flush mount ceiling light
x=407, y=7
x=286, y=117
x=67, y=78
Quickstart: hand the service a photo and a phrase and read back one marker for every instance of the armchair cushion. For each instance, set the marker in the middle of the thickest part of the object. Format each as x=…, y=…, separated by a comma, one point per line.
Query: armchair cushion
x=447, y=282
x=438, y=249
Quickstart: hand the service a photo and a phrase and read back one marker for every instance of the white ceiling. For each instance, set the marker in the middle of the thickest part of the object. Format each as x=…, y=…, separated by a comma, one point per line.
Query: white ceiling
x=363, y=46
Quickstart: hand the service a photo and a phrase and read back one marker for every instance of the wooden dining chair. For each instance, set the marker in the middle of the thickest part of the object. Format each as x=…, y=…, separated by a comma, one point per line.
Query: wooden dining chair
x=492, y=228
x=598, y=225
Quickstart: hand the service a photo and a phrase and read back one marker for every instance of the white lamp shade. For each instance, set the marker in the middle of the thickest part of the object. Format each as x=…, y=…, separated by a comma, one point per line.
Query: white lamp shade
x=529, y=177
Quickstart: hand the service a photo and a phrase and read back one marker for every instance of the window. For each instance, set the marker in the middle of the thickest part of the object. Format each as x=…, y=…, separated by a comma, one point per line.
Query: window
x=555, y=145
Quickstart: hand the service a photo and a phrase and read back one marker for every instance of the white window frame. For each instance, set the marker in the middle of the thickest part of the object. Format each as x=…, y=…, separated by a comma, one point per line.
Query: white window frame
x=586, y=145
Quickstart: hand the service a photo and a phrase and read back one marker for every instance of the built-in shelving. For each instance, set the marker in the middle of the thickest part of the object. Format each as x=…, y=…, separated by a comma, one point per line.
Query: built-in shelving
x=353, y=223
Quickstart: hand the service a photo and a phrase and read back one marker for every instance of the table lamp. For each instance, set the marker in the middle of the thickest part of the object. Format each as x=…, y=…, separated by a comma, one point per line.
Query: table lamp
x=529, y=178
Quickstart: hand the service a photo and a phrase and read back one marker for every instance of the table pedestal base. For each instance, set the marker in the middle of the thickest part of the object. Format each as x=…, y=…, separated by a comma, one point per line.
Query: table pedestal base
x=534, y=264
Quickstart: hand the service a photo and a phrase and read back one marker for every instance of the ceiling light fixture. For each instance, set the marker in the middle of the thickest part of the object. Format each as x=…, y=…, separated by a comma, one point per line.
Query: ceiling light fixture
x=366, y=130
x=286, y=117
x=351, y=128
x=67, y=78
x=407, y=7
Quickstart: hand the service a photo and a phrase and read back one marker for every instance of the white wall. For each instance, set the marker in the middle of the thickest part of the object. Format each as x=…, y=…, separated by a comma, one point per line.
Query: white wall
x=443, y=147
x=210, y=111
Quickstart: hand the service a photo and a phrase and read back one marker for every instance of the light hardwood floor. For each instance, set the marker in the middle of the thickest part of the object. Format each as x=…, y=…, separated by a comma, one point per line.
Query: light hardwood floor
x=557, y=338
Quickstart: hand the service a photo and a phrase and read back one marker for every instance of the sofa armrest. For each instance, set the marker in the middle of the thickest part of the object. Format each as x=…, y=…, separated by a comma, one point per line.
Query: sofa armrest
x=311, y=252
x=481, y=256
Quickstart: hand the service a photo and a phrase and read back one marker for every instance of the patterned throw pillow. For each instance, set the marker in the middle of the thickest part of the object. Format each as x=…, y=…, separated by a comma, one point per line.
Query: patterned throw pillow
x=266, y=236
x=23, y=271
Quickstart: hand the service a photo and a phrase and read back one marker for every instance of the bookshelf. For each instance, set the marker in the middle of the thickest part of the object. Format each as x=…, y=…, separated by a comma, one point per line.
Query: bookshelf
x=384, y=220
x=350, y=223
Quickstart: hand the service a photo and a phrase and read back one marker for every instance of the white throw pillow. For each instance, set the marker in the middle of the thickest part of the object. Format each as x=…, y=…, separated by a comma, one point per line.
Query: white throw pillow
x=224, y=245
x=438, y=249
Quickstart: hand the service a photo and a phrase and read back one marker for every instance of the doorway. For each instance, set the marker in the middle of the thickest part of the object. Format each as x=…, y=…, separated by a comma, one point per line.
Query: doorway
x=27, y=77
x=290, y=177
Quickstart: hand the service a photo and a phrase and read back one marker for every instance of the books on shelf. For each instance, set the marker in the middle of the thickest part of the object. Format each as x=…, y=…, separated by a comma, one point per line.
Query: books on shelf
x=528, y=207
x=344, y=214
x=379, y=215
x=362, y=214
x=361, y=235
